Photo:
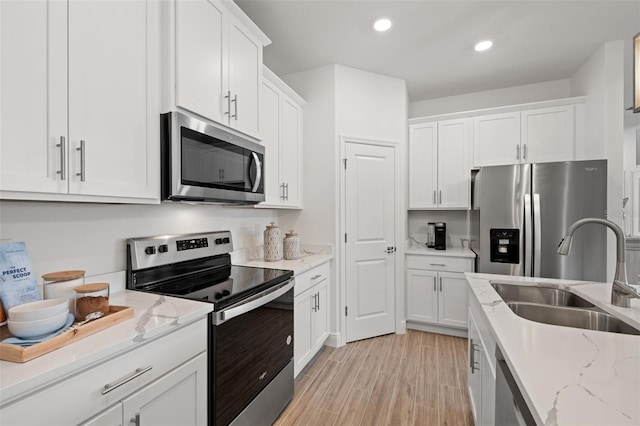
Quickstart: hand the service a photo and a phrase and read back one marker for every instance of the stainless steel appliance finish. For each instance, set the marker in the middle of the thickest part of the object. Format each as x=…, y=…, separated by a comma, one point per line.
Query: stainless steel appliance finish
x=528, y=206
x=511, y=408
x=250, y=337
x=207, y=163
x=542, y=295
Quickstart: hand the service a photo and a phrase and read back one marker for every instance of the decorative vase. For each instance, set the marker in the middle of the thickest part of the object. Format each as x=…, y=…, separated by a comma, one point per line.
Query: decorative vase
x=272, y=243
x=291, y=244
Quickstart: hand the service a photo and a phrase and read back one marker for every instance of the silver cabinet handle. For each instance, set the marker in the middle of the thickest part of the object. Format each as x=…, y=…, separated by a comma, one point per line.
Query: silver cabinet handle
x=282, y=188
x=286, y=187
x=524, y=151
x=434, y=284
x=439, y=197
x=82, y=161
x=315, y=277
x=235, y=107
x=437, y=264
x=228, y=98
x=440, y=284
x=472, y=356
x=317, y=301
x=111, y=386
x=313, y=302
x=63, y=164
x=136, y=419
x=517, y=152
x=434, y=197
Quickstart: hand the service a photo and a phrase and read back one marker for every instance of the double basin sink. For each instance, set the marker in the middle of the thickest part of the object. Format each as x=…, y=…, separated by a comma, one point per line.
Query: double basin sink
x=554, y=306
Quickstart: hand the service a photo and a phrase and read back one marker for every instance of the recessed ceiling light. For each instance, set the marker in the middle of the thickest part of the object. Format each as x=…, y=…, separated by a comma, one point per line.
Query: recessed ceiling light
x=382, y=24
x=483, y=45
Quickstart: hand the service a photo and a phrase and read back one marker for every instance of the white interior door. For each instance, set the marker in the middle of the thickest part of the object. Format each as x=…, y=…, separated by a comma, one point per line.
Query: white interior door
x=370, y=226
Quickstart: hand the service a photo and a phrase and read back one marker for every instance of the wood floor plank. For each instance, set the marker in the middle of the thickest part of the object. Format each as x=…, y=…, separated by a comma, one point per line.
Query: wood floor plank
x=466, y=406
x=364, y=345
x=429, y=339
x=404, y=397
x=353, y=410
x=450, y=409
x=425, y=416
x=427, y=380
x=341, y=353
x=368, y=374
x=460, y=347
x=323, y=418
x=447, y=365
x=377, y=411
x=391, y=362
x=338, y=392
x=321, y=359
x=414, y=342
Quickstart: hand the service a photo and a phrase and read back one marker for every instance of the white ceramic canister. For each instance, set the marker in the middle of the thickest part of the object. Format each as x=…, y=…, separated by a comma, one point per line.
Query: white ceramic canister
x=272, y=243
x=291, y=244
x=60, y=285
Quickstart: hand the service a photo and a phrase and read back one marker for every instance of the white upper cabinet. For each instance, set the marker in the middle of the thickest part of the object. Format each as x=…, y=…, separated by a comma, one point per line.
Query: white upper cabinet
x=439, y=170
x=281, y=111
x=526, y=136
x=98, y=61
x=218, y=63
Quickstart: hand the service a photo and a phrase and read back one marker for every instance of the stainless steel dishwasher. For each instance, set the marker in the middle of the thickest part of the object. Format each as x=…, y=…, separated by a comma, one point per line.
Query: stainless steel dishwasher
x=511, y=408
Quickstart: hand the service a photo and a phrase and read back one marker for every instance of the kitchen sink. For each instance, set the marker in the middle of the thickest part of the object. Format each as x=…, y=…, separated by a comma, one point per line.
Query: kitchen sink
x=588, y=319
x=542, y=295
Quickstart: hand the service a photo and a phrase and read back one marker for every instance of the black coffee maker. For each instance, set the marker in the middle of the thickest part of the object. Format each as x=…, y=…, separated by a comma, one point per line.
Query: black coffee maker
x=441, y=236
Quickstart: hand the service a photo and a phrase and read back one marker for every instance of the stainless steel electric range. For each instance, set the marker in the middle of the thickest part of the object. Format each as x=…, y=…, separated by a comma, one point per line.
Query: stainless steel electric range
x=250, y=336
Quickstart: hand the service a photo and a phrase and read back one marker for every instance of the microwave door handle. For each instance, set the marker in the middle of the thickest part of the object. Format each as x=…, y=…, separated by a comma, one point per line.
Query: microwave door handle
x=258, y=165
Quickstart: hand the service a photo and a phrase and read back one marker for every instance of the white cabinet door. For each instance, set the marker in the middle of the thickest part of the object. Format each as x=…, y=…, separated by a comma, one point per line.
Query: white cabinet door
x=290, y=159
x=423, y=165
x=110, y=417
x=199, y=58
x=452, y=299
x=496, y=139
x=422, y=296
x=270, y=132
x=244, y=77
x=474, y=372
x=113, y=101
x=33, y=96
x=302, y=336
x=320, y=315
x=177, y=398
x=454, y=174
x=488, y=390
x=548, y=134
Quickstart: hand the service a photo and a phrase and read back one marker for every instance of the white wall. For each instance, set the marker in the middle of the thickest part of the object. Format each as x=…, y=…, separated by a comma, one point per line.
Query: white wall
x=457, y=224
x=491, y=98
x=63, y=236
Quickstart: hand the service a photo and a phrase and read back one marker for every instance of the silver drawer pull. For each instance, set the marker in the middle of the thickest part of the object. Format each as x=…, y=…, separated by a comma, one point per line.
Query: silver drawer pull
x=315, y=277
x=111, y=386
x=136, y=419
x=437, y=264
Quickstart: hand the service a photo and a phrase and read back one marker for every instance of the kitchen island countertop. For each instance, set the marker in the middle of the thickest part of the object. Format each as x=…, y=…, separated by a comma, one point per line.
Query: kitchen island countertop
x=568, y=376
x=154, y=316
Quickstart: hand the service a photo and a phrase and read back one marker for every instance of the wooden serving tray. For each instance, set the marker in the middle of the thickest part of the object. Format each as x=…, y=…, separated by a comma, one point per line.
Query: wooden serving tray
x=15, y=353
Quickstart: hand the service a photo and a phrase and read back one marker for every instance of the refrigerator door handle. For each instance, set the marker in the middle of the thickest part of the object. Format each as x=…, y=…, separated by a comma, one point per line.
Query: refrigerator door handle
x=537, y=233
x=528, y=236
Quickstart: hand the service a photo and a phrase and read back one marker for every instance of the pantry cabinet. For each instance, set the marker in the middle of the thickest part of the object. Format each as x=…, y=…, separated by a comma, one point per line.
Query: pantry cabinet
x=439, y=166
x=311, y=314
x=281, y=113
x=152, y=384
x=218, y=63
x=80, y=86
x=528, y=136
x=437, y=290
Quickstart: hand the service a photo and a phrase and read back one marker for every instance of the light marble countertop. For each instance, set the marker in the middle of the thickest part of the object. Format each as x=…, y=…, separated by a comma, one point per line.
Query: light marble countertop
x=154, y=316
x=568, y=376
x=309, y=260
x=449, y=252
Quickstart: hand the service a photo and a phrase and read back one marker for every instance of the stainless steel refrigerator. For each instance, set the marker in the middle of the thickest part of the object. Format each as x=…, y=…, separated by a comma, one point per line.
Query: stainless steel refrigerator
x=525, y=210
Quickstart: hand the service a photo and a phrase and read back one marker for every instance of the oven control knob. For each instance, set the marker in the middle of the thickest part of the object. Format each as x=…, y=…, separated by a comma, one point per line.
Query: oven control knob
x=163, y=248
x=218, y=296
x=226, y=240
x=218, y=241
x=150, y=250
x=226, y=292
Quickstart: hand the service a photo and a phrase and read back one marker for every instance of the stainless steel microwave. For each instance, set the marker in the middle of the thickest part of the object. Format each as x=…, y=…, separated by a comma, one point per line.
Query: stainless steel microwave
x=205, y=163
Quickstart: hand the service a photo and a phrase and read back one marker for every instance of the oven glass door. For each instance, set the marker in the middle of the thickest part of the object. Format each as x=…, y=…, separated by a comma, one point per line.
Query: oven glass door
x=209, y=162
x=248, y=351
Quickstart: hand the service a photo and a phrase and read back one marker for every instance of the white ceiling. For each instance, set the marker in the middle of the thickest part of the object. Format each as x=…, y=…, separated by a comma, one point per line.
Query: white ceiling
x=431, y=43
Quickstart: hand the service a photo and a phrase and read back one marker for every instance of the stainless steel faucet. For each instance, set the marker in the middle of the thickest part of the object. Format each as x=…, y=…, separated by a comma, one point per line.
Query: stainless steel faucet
x=622, y=292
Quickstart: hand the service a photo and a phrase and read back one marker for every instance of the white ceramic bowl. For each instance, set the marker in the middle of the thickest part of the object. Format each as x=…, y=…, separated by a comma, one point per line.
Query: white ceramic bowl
x=39, y=310
x=26, y=329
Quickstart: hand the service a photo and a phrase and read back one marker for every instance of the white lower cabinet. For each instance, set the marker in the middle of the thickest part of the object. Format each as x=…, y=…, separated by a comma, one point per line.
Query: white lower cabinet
x=152, y=384
x=311, y=314
x=437, y=290
x=481, y=376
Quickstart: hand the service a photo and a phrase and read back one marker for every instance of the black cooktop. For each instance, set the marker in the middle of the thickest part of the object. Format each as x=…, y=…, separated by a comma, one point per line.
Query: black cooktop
x=222, y=286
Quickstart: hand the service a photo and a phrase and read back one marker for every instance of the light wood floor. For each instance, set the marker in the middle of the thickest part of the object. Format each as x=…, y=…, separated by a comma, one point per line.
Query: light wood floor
x=399, y=379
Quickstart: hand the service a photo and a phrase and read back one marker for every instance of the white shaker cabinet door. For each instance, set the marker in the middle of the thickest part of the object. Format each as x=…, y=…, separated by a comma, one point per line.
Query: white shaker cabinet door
x=422, y=296
x=113, y=101
x=496, y=139
x=302, y=337
x=33, y=96
x=453, y=163
x=270, y=132
x=423, y=165
x=110, y=417
x=320, y=316
x=548, y=134
x=453, y=296
x=245, y=78
x=290, y=151
x=199, y=59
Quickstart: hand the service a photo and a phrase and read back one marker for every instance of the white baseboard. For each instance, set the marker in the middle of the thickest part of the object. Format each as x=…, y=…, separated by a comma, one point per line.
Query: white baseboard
x=334, y=340
x=450, y=331
x=401, y=327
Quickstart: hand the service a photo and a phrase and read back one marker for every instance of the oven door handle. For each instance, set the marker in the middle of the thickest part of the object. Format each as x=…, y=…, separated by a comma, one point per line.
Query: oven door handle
x=255, y=302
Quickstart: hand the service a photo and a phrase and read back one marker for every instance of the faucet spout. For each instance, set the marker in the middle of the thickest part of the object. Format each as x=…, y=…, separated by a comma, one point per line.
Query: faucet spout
x=622, y=292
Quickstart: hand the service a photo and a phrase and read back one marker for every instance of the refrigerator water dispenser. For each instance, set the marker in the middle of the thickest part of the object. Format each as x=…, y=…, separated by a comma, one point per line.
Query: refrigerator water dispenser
x=504, y=245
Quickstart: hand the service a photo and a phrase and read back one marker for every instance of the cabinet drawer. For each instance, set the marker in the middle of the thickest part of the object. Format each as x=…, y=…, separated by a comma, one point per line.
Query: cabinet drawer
x=79, y=396
x=440, y=263
x=312, y=277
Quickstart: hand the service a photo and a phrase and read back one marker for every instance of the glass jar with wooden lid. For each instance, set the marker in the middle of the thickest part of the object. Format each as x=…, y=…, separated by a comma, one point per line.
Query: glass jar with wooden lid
x=60, y=285
x=91, y=298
